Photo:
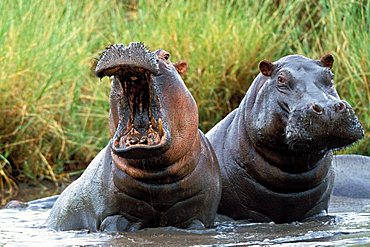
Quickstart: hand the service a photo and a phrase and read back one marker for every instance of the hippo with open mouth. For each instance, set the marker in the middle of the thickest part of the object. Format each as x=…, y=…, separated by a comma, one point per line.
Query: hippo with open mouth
x=275, y=149
x=158, y=169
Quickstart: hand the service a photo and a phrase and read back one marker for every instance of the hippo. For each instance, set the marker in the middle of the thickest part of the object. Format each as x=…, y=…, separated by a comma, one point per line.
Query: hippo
x=275, y=150
x=42, y=203
x=158, y=168
x=352, y=176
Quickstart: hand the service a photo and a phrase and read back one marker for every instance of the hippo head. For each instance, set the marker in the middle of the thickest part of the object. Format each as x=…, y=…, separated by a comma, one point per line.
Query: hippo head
x=302, y=110
x=148, y=101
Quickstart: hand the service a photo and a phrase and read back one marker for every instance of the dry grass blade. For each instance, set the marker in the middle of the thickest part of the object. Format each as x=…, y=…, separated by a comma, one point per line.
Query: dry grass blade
x=8, y=187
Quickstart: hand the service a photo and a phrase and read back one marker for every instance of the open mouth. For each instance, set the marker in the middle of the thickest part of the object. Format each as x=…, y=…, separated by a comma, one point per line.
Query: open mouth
x=142, y=125
x=142, y=130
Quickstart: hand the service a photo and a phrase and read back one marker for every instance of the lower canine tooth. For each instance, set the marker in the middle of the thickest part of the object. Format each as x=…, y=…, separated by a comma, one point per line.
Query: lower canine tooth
x=153, y=122
x=160, y=127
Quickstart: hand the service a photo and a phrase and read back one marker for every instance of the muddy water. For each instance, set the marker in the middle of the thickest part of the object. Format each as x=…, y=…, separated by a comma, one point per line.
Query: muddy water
x=349, y=224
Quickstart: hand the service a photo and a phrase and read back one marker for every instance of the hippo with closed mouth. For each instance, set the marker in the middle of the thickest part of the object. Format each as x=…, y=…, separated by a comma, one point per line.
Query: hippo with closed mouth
x=158, y=169
x=275, y=149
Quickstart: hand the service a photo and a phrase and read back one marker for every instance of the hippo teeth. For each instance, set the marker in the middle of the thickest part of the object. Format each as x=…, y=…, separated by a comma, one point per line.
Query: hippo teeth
x=134, y=137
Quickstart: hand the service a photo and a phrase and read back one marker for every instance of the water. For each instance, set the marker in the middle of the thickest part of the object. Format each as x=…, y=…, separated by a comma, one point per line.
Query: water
x=348, y=224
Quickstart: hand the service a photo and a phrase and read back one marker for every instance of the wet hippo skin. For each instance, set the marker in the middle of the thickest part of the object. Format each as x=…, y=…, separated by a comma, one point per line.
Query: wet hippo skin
x=352, y=176
x=42, y=203
x=158, y=169
x=275, y=149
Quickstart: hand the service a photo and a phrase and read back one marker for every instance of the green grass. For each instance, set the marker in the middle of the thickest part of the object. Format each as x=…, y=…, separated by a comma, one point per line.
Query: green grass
x=54, y=111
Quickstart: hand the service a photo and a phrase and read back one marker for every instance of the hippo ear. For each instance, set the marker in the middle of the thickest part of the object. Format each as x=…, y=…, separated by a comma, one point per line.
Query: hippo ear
x=327, y=60
x=266, y=68
x=181, y=67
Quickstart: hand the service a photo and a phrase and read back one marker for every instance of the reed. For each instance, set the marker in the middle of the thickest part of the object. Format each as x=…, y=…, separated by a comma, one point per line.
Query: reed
x=54, y=111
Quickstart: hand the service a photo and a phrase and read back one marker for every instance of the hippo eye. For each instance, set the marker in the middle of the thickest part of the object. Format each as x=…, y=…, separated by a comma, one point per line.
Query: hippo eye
x=166, y=56
x=330, y=81
x=281, y=80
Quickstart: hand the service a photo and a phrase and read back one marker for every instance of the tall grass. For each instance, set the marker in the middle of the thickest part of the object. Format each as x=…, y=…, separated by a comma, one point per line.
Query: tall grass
x=54, y=111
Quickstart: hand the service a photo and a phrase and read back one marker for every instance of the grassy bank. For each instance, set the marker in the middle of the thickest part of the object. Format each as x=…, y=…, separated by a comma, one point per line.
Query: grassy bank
x=54, y=111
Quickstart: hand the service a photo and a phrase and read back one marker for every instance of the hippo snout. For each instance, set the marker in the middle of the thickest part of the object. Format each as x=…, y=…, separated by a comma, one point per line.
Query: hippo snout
x=323, y=125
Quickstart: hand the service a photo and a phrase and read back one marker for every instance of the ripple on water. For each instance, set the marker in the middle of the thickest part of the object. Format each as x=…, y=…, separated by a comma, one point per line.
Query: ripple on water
x=25, y=227
x=348, y=227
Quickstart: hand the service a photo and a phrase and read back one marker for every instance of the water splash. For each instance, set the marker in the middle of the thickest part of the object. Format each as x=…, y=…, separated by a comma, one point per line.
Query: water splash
x=351, y=226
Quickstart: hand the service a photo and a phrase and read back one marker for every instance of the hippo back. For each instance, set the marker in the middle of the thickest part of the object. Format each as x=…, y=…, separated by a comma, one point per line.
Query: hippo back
x=352, y=176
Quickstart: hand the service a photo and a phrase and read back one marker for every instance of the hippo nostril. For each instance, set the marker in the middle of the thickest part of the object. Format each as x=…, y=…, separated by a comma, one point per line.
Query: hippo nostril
x=317, y=108
x=340, y=106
